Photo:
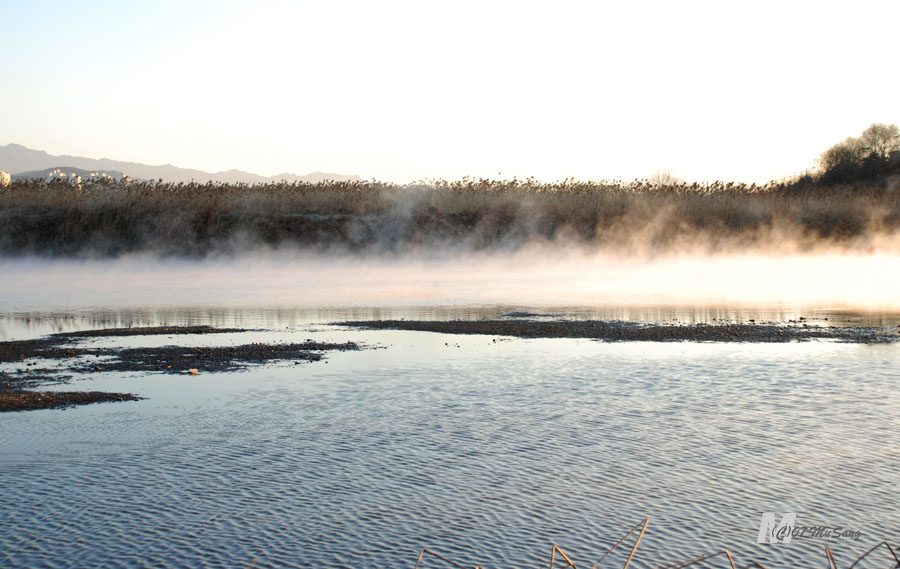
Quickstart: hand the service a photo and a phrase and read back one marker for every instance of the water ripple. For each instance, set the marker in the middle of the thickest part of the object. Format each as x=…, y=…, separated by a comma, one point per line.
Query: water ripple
x=488, y=457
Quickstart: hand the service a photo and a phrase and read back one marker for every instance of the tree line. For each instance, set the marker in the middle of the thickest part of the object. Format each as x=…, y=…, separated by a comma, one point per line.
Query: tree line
x=876, y=152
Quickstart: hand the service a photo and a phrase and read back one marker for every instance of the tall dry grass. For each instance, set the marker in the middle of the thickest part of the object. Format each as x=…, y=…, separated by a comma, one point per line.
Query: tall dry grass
x=115, y=217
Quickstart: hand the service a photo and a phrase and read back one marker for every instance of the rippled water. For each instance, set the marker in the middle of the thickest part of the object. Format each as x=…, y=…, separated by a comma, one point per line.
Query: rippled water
x=485, y=451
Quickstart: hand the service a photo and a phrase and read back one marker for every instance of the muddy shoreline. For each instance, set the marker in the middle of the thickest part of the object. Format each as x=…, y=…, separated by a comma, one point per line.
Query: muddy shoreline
x=59, y=358
x=625, y=331
x=33, y=365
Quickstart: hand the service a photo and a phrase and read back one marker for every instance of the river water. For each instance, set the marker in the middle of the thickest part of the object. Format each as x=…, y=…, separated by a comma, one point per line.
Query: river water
x=485, y=449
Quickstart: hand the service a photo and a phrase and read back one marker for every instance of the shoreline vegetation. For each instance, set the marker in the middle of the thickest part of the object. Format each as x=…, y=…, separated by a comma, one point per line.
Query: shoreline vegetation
x=114, y=217
x=851, y=204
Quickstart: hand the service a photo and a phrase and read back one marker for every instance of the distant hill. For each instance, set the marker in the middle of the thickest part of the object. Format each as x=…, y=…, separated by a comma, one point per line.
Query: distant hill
x=22, y=161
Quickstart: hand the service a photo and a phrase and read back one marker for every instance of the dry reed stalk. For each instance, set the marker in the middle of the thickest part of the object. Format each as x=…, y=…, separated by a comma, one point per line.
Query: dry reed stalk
x=703, y=558
x=441, y=557
x=643, y=525
x=828, y=554
x=873, y=548
x=553, y=553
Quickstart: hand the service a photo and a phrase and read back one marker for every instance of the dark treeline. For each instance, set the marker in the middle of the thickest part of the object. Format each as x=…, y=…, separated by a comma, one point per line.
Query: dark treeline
x=109, y=218
x=872, y=154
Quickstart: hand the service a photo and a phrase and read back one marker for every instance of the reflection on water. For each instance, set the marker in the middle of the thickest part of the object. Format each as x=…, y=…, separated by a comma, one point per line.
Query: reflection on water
x=486, y=451
x=288, y=289
x=557, y=277
x=23, y=325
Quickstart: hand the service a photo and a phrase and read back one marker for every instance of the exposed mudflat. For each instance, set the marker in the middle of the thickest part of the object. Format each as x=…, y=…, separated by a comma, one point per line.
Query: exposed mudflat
x=148, y=331
x=25, y=400
x=622, y=331
x=53, y=346
x=31, y=365
x=58, y=358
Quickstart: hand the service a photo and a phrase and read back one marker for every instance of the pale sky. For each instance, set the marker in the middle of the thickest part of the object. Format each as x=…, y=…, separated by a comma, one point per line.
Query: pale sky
x=402, y=91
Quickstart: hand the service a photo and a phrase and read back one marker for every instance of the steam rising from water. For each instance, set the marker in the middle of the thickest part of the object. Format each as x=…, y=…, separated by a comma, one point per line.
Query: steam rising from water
x=525, y=278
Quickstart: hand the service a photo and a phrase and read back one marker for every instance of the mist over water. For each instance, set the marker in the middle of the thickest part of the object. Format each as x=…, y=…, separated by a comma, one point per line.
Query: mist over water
x=539, y=278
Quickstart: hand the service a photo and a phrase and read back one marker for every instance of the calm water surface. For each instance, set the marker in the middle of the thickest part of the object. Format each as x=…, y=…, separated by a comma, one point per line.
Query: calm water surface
x=486, y=451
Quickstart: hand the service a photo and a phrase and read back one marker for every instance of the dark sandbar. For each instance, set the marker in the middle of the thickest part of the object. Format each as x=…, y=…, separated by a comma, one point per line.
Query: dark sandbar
x=61, y=351
x=623, y=331
x=24, y=400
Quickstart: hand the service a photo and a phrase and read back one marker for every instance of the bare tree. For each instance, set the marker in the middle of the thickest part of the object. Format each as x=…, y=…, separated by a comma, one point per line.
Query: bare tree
x=843, y=156
x=663, y=177
x=861, y=158
x=879, y=140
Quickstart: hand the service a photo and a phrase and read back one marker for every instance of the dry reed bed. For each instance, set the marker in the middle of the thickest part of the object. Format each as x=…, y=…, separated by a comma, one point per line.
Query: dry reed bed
x=888, y=559
x=475, y=214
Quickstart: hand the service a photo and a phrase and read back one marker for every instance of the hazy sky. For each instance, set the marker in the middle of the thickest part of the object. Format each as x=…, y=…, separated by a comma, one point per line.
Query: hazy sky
x=411, y=90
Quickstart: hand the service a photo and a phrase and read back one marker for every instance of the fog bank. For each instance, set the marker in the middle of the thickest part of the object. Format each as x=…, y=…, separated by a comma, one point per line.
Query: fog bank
x=539, y=278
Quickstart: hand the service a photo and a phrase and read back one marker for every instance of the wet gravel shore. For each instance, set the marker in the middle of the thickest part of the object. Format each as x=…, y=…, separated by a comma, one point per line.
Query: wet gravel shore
x=623, y=331
x=58, y=358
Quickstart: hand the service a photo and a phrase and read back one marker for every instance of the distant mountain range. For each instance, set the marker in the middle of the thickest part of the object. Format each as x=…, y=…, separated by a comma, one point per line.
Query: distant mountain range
x=24, y=162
